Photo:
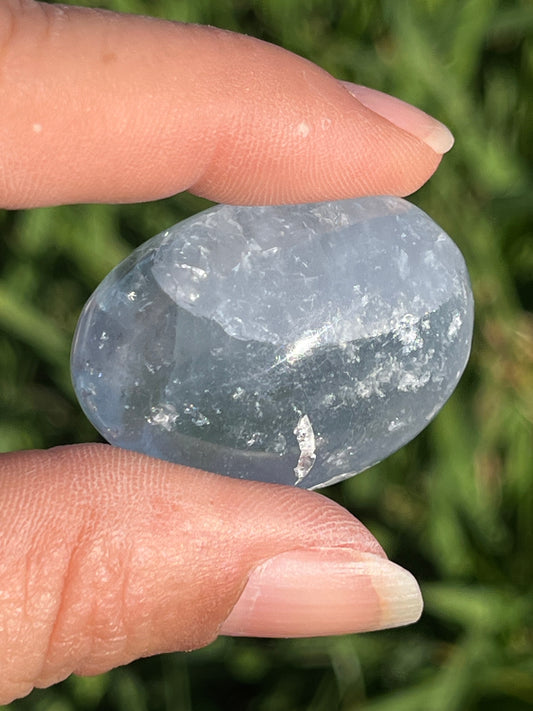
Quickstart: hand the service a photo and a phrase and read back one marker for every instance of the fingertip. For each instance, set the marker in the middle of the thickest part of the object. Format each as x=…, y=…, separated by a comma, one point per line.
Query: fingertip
x=405, y=116
x=325, y=591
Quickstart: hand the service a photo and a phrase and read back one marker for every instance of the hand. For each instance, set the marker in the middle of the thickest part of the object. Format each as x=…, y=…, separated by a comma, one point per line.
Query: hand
x=107, y=555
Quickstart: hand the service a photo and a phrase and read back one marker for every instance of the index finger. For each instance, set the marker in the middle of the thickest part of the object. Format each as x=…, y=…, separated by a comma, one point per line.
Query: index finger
x=103, y=107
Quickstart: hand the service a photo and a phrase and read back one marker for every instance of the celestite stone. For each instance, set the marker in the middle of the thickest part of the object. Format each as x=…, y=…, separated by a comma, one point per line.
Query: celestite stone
x=297, y=344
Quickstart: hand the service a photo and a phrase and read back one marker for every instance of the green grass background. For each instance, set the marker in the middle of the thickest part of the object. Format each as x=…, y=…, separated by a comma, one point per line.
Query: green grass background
x=456, y=505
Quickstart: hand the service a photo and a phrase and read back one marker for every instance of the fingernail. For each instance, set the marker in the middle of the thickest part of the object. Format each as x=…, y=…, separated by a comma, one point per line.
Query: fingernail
x=324, y=591
x=405, y=116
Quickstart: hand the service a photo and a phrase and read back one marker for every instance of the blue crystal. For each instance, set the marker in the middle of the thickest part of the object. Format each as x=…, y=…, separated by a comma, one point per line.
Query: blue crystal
x=297, y=344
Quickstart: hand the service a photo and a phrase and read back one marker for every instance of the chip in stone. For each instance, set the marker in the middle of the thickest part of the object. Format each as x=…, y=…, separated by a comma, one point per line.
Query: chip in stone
x=297, y=344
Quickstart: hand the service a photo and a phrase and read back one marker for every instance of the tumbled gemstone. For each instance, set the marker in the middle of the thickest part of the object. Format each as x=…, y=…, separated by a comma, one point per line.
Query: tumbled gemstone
x=296, y=344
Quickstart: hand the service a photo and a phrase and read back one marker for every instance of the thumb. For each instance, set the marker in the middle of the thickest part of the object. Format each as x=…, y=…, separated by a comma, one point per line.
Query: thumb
x=107, y=555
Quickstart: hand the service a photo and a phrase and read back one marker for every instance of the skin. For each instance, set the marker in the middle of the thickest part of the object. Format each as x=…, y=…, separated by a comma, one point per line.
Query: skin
x=107, y=555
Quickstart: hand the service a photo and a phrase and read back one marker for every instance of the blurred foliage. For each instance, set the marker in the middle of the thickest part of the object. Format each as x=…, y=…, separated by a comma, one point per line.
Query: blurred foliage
x=456, y=505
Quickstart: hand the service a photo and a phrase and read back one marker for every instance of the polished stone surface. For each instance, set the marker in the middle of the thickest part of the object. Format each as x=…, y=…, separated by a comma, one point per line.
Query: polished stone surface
x=296, y=344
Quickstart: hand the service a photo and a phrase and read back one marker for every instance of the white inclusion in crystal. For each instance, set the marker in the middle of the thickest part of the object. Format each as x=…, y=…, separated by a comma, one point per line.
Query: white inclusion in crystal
x=395, y=424
x=279, y=444
x=411, y=382
x=407, y=332
x=306, y=441
x=201, y=420
x=454, y=326
x=403, y=264
x=197, y=418
x=103, y=338
x=163, y=415
x=195, y=272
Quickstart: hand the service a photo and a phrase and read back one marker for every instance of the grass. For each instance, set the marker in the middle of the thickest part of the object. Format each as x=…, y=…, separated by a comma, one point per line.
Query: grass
x=456, y=505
